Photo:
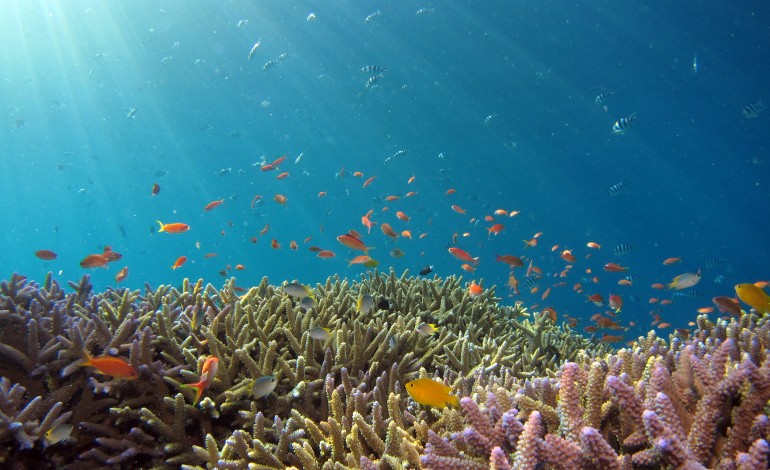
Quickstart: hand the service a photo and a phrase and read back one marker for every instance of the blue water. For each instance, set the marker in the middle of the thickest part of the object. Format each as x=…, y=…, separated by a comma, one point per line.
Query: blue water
x=79, y=164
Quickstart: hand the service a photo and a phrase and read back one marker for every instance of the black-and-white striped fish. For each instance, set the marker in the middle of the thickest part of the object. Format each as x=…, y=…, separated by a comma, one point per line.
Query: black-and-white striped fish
x=617, y=188
x=425, y=11
x=372, y=81
x=601, y=98
x=373, y=69
x=623, y=248
x=689, y=293
x=752, y=110
x=269, y=65
x=532, y=281
x=622, y=124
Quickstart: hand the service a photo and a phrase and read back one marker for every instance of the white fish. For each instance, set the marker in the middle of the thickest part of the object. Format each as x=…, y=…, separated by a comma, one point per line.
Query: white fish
x=263, y=386
x=365, y=303
x=427, y=329
x=254, y=49
x=319, y=333
x=297, y=290
x=311, y=17
x=307, y=303
x=57, y=434
x=695, y=63
x=683, y=281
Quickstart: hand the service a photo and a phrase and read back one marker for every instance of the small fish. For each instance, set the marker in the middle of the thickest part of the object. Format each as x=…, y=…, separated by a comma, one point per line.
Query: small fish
x=269, y=65
x=752, y=110
x=208, y=373
x=397, y=252
x=213, y=204
x=46, y=255
x=353, y=242
x=601, y=99
x=155, y=189
x=298, y=291
x=308, y=303
x=616, y=302
x=727, y=305
x=617, y=188
x=179, y=262
x=753, y=296
x=320, y=333
x=94, y=261
x=280, y=199
x=614, y=268
x=429, y=392
x=426, y=270
x=372, y=17
x=427, y=329
x=683, y=281
x=109, y=365
x=668, y=261
x=622, y=124
x=365, y=303
x=623, y=248
x=263, y=386
x=198, y=317
x=475, y=290
x=372, y=263
x=462, y=255
x=424, y=11
x=373, y=69
x=175, y=227
x=254, y=49
x=57, y=434
x=122, y=274
x=510, y=260
x=695, y=63
x=371, y=82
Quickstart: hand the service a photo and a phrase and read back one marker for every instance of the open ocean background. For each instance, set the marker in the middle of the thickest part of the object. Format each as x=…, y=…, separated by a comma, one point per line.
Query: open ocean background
x=78, y=164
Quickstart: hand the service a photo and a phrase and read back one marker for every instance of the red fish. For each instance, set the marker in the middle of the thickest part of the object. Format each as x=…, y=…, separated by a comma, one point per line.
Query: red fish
x=616, y=302
x=208, y=373
x=597, y=300
x=567, y=256
x=388, y=230
x=458, y=209
x=496, y=228
x=94, y=261
x=179, y=262
x=727, y=305
x=475, y=290
x=614, y=268
x=122, y=274
x=326, y=254
x=47, y=255
x=155, y=189
x=510, y=260
x=353, y=242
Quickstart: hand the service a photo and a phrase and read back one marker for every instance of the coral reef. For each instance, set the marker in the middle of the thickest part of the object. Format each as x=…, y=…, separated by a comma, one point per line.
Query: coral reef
x=534, y=394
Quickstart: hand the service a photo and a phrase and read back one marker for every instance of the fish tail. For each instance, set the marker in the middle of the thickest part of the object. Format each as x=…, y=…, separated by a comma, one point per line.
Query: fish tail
x=161, y=225
x=198, y=387
x=86, y=359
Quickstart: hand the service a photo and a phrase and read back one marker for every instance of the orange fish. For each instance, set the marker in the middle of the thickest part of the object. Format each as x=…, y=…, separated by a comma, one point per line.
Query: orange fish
x=267, y=167
x=210, y=255
x=458, y=209
x=593, y=245
x=410, y=194
x=496, y=228
x=366, y=222
x=353, y=242
x=625, y=282
x=361, y=259
x=450, y=191
x=293, y=245
x=282, y=175
x=155, y=189
x=264, y=230
x=616, y=302
x=546, y=294
x=500, y=212
x=401, y=216
x=208, y=373
x=358, y=174
x=410, y=180
x=179, y=262
x=213, y=204
x=658, y=286
x=175, y=227
x=388, y=230
x=530, y=243
x=321, y=194
x=94, y=261
x=369, y=181
x=705, y=310
x=274, y=244
x=468, y=267
x=326, y=254
x=463, y=255
x=240, y=267
x=672, y=260
x=611, y=338
x=109, y=365
x=597, y=299
x=392, y=198
x=567, y=256
x=122, y=274
x=280, y=199
x=47, y=255
x=475, y=290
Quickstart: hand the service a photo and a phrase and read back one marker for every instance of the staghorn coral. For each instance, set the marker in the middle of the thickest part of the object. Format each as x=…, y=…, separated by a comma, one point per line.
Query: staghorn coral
x=340, y=403
x=698, y=403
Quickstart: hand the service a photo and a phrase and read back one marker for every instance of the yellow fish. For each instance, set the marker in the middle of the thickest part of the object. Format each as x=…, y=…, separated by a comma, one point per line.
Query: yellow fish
x=754, y=296
x=430, y=392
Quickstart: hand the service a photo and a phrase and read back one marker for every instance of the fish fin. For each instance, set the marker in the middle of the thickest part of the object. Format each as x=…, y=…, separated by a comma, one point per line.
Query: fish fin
x=198, y=387
x=161, y=225
x=454, y=401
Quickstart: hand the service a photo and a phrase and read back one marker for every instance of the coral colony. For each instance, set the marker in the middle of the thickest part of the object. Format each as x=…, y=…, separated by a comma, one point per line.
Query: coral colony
x=111, y=379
